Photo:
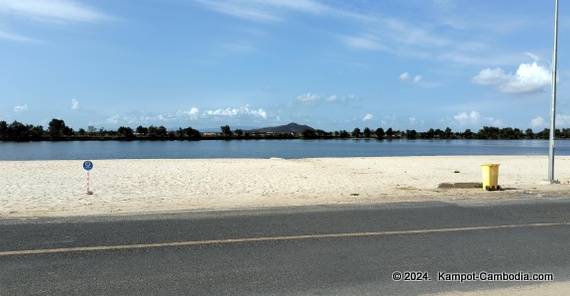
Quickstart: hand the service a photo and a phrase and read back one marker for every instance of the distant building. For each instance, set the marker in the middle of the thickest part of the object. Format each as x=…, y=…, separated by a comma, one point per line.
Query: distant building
x=209, y=134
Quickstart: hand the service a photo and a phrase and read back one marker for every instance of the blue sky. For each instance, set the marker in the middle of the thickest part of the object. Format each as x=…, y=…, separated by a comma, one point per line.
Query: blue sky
x=330, y=64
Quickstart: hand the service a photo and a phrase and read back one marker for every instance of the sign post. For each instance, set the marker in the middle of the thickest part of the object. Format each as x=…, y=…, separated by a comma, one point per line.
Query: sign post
x=88, y=165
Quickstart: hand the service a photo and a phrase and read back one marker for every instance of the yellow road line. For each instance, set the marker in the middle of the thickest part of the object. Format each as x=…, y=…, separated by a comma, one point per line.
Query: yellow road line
x=274, y=238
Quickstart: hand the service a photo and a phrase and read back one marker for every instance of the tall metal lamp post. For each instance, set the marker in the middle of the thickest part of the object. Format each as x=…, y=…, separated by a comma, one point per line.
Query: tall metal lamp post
x=553, y=102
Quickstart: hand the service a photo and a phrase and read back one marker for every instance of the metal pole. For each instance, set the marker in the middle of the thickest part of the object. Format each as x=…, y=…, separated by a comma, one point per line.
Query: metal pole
x=553, y=102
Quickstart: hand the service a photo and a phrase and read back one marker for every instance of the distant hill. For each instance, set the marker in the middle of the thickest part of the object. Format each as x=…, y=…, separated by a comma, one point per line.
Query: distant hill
x=288, y=128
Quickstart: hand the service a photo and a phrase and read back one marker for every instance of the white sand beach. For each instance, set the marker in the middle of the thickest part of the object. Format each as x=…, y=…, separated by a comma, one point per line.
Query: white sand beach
x=57, y=188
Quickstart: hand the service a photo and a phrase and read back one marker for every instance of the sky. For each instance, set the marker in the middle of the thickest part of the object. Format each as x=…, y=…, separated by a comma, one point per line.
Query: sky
x=330, y=64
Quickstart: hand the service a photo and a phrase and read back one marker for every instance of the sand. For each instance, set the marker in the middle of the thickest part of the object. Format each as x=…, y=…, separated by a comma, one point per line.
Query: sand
x=58, y=188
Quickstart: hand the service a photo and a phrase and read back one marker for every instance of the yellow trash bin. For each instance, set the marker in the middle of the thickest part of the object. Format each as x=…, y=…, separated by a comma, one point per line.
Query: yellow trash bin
x=490, y=177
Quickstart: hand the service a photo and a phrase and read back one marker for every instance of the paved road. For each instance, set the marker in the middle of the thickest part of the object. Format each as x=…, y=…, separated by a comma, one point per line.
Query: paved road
x=328, y=250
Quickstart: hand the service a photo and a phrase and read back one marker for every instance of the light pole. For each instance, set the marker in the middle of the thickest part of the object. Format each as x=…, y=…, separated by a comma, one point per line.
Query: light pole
x=553, y=102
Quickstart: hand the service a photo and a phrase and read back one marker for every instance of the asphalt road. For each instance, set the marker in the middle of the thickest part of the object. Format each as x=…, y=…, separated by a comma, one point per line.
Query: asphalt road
x=327, y=250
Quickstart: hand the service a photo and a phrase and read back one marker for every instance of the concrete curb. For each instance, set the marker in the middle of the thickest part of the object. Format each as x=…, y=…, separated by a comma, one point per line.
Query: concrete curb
x=463, y=185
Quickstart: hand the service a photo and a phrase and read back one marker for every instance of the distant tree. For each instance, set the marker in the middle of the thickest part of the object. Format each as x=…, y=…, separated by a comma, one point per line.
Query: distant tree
x=161, y=131
x=489, y=132
x=57, y=129
x=529, y=134
x=3, y=130
x=322, y=133
x=157, y=132
x=518, y=133
x=356, y=133
x=468, y=134
x=507, y=133
x=544, y=134
x=343, y=134
x=226, y=131
x=125, y=132
x=35, y=132
x=379, y=133
x=565, y=133
x=366, y=133
x=411, y=134
x=430, y=134
x=192, y=133
x=152, y=131
x=389, y=133
x=447, y=133
x=141, y=130
x=438, y=133
x=91, y=130
x=308, y=134
x=17, y=131
x=239, y=132
x=81, y=132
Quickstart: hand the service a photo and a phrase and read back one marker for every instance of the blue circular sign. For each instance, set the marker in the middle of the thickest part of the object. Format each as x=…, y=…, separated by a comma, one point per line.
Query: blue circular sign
x=87, y=165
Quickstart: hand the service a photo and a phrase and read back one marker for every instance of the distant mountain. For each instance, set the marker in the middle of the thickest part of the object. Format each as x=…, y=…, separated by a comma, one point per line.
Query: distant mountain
x=288, y=128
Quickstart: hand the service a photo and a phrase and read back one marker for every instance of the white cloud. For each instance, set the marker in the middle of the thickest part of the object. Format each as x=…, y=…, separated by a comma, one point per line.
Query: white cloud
x=238, y=47
x=533, y=57
x=193, y=113
x=22, y=108
x=113, y=119
x=363, y=42
x=406, y=78
x=407, y=33
x=74, y=104
x=494, y=122
x=491, y=77
x=51, y=11
x=463, y=118
x=270, y=11
x=529, y=78
x=234, y=112
x=389, y=121
x=15, y=37
x=537, y=122
x=242, y=11
x=367, y=117
x=412, y=121
x=474, y=118
x=417, y=79
x=44, y=11
x=336, y=98
x=332, y=98
x=308, y=98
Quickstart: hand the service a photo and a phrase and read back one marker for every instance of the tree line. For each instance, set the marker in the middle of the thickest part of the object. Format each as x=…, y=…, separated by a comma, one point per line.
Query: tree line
x=485, y=133
x=57, y=130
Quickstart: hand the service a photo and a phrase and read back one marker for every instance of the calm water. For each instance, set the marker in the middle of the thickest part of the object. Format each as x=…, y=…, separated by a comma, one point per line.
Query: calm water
x=78, y=150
